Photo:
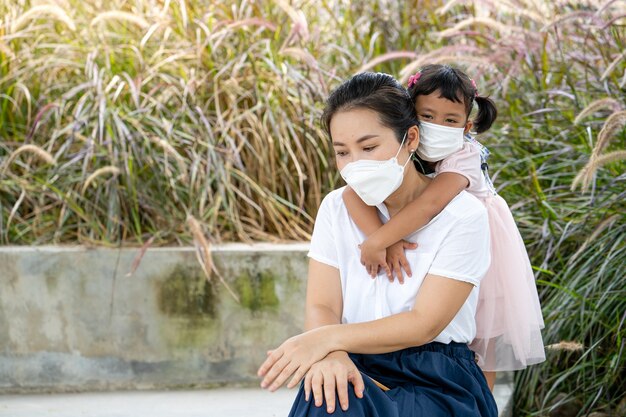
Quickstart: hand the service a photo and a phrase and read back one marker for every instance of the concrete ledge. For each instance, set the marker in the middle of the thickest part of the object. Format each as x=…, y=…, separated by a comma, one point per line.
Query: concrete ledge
x=72, y=320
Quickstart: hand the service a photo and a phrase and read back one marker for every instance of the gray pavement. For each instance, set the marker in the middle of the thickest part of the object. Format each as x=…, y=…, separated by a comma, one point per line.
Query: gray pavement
x=222, y=402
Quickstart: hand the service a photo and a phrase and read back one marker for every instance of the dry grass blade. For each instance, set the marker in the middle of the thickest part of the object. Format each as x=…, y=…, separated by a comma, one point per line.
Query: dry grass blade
x=613, y=65
x=139, y=256
x=300, y=26
x=387, y=57
x=607, y=158
x=474, y=21
x=120, y=16
x=447, y=7
x=585, y=176
x=568, y=346
x=6, y=50
x=566, y=17
x=15, y=208
x=32, y=149
x=596, y=105
x=44, y=11
x=110, y=170
x=203, y=254
x=613, y=124
x=593, y=236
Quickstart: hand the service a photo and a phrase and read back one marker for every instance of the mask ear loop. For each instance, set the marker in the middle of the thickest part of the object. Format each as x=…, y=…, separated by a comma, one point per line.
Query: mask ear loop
x=410, y=155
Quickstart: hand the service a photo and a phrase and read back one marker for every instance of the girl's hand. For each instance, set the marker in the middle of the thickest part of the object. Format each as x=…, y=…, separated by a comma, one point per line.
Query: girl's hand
x=373, y=257
x=396, y=259
x=334, y=372
x=294, y=357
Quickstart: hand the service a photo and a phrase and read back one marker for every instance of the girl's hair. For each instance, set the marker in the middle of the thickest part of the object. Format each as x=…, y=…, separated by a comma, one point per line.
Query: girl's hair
x=456, y=86
x=380, y=93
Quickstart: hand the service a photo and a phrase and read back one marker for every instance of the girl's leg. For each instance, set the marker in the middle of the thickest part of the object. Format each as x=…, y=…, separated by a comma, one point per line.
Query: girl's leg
x=491, y=379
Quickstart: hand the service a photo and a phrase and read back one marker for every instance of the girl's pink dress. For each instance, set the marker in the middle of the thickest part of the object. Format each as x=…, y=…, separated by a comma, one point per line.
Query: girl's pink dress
x=508, y=317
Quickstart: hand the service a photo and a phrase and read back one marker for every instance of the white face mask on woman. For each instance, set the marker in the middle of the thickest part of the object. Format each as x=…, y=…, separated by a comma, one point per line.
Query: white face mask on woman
x=374, y=181
x=438, y=142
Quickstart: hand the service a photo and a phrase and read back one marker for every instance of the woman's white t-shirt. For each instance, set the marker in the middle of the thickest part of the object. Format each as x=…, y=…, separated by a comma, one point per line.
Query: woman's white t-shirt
x=455, y=244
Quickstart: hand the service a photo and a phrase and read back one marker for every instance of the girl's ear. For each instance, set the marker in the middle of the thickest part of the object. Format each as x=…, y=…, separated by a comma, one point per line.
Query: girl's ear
x=468, y=126
x=413, y=137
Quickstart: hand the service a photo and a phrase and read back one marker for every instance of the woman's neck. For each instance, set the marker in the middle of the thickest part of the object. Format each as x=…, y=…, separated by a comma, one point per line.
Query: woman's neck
x=412, y=186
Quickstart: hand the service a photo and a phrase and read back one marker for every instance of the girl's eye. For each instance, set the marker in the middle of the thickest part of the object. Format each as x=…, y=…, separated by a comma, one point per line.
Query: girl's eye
x=450, y=121
x=426, y=116
x=369, y=148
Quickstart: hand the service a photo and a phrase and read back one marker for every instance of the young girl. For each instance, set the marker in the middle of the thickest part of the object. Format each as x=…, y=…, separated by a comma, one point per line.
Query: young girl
x=508, y=316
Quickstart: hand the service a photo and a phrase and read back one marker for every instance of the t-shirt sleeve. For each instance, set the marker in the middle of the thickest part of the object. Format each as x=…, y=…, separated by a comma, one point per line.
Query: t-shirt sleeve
x=465, y=162
x=464, y=254
x=323, y=243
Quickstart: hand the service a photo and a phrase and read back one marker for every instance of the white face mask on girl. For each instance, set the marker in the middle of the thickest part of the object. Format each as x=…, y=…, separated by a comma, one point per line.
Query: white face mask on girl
x=374, y=181
x=438, y=142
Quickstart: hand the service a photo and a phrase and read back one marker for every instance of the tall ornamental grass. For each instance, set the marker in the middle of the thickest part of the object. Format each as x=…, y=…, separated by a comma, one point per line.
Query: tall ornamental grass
x=121, y=120
x=558, y=73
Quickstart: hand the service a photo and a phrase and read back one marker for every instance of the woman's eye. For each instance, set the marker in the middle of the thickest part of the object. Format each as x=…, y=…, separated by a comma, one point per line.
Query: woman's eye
x=341, y=153
x=369, y=148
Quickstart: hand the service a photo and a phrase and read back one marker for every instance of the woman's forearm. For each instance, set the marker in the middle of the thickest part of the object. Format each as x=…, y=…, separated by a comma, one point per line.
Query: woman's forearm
x=437, y=303
x=388, y=334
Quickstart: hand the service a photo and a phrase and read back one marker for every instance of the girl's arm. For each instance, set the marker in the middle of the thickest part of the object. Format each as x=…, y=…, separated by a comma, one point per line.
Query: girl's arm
x=365, y=217
x=391, y=258
x=415, y=215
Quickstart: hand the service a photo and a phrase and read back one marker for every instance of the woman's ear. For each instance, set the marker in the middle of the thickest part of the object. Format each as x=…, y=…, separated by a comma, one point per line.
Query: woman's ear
x=413, y=138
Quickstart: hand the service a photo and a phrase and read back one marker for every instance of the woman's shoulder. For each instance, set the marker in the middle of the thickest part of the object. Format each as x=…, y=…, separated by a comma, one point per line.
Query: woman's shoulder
x=465, y=207
x=335, y=197
x=333, y=201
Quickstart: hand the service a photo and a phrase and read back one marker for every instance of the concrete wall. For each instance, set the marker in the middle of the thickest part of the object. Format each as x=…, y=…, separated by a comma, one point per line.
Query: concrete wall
x=70, y=318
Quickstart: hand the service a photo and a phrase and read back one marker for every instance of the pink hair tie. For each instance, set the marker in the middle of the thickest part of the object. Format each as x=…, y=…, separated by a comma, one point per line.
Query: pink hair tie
x=475, y=88
x=413, y=79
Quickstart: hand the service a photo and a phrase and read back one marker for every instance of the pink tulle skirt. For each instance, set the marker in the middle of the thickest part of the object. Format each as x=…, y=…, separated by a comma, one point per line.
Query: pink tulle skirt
x=508, y=317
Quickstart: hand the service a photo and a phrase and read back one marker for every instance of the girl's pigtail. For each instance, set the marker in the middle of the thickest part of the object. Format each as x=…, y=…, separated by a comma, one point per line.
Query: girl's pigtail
x=487, y=114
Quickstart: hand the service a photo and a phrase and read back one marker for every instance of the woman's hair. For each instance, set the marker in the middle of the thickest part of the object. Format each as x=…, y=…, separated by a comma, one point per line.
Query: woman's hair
x=456, y=86
x=380, y=93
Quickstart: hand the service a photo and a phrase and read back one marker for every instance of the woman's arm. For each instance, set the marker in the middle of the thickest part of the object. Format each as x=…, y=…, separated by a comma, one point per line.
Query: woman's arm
x=323, y=308
x=323, y=296
x=460, y=262
x=438, y=301
x=432, y=313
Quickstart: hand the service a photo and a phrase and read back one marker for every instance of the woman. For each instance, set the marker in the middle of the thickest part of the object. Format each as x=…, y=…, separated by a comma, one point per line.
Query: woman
x=384, y=348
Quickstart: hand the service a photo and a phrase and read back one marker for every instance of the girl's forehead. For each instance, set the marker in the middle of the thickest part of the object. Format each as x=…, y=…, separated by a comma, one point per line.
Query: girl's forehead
x=435, y=101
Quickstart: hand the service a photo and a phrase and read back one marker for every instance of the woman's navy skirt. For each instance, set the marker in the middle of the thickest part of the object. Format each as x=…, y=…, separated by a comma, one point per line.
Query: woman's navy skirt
x=427, y=381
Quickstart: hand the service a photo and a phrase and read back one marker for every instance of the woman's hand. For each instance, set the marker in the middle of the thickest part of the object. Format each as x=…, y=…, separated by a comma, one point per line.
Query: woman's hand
x=396, y=259
x=294, y=357
x=334, y=372
x=373, y=257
